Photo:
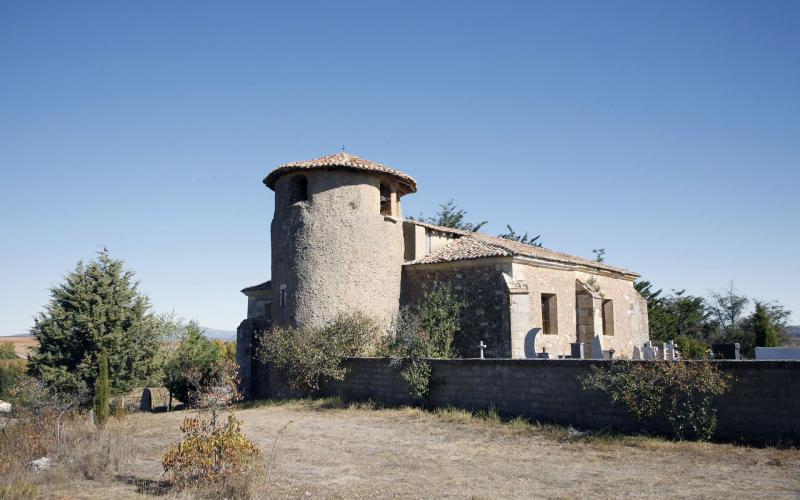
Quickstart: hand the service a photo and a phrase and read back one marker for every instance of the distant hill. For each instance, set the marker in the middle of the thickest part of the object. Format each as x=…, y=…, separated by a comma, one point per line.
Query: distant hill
x=794, y=335
x=214, y=333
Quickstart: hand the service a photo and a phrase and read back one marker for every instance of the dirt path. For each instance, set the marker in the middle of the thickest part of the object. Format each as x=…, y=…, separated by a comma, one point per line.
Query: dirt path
x=410, y=453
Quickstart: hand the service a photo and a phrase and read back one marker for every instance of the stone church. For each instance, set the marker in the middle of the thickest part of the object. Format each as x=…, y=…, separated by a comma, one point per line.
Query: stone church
x=340, y=243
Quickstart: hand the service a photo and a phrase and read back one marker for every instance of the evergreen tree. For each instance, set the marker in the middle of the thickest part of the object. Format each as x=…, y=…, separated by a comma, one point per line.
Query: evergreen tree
x=675, y=315
x=765, y=333
x=522, y=238
x=97, y=308
x=599, y=254
x=450, y=215
x=102, y=392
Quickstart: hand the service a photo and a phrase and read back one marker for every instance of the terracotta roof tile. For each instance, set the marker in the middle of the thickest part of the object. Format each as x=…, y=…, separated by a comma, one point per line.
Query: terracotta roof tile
x=341, y=160
x=479, y=245
x=464, y=248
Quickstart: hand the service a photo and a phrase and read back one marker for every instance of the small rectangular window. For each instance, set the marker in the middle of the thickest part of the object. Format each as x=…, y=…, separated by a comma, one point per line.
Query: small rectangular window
x=386, y=199
x=608, y=317
x=549, y=314
x=298, y=189
x=283, y=298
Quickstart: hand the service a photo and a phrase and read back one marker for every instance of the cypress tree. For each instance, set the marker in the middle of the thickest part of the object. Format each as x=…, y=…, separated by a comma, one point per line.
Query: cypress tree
x=97, y=308
x=102, y=391
x=765, y=332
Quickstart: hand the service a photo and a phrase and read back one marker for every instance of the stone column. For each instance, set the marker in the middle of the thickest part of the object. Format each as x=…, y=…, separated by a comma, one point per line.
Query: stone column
x=519, y=315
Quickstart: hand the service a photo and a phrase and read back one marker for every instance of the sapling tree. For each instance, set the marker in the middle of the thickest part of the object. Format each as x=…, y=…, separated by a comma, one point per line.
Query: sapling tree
x=102, y=392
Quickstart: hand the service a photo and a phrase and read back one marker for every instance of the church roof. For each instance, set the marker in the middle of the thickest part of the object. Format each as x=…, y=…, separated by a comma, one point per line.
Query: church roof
x=344, y=161
x=479, y=245
x=267, y=285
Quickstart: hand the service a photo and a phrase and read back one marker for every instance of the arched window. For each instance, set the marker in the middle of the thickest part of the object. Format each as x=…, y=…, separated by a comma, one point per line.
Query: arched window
x=298, y=189
x=386, y=199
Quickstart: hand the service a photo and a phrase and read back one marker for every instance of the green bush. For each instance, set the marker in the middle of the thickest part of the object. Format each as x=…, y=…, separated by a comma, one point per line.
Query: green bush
x=307, y=357
x=691, y=348
x=7, y=351
x=438, y=315
x=11, y=371
x=196, y=363
x=425, y=331
x=682, y=391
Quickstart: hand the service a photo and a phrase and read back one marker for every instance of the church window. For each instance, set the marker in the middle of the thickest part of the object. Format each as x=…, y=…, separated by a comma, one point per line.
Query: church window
x=298, y=189
x=549, y=314
x=608, y=317
x=283, y=298
x=386, y=199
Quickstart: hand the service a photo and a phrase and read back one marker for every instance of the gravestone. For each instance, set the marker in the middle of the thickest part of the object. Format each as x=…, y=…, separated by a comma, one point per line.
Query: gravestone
x=146, y=403
x=578, y=350
x=778, y=353
x=648, y=352
x=671, y=355
x=726, y=351
x=597, y=348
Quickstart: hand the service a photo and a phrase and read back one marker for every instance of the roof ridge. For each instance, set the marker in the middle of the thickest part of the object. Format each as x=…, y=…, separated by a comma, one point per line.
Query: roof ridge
x=510, y=247
x=341, y=159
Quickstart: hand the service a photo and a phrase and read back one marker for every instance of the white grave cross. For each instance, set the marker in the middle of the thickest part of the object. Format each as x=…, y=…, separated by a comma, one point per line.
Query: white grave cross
x=481, y=346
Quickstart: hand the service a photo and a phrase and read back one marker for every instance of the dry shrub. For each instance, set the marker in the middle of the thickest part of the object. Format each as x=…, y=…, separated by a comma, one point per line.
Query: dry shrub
x=18, y=489
x=25, y=440
x=92, y=453
x=683, y=392
x=120, y=410
x=213, y=459
x=216, y=458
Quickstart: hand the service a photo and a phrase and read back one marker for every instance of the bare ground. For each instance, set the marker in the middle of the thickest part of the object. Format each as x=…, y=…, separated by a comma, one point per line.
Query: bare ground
x=329, y=450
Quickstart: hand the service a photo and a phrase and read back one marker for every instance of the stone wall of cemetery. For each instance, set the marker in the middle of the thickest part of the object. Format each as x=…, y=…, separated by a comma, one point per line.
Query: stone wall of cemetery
x=762, y=406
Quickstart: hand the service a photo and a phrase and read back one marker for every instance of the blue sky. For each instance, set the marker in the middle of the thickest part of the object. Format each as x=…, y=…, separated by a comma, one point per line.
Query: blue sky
x=666, y=132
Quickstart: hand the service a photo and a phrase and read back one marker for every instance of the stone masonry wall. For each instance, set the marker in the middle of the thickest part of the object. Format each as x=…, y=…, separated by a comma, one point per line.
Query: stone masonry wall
x=334, y=252
x=763, y=405
x=485, y=316
x=630, y=310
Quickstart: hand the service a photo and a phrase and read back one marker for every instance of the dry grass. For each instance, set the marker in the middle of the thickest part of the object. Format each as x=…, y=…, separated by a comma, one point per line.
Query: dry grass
x=331, y=449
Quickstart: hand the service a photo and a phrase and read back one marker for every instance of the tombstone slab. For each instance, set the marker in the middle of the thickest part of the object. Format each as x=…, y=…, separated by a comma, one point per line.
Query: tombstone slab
x=778, y=353
x=146, y=403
